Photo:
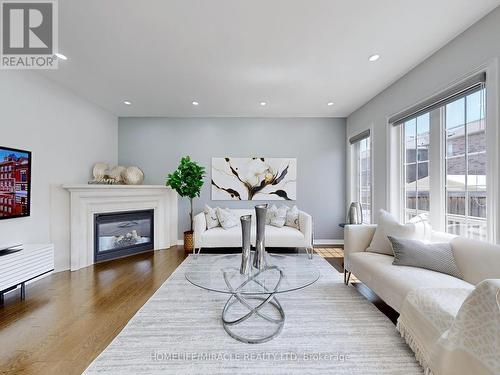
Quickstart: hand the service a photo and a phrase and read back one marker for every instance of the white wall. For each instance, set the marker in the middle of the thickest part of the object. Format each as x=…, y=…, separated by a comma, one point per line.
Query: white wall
x=66, y=135
x=476, y=47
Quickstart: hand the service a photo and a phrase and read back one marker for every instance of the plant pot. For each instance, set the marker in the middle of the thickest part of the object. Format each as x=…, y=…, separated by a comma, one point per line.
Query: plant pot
x=188, y=241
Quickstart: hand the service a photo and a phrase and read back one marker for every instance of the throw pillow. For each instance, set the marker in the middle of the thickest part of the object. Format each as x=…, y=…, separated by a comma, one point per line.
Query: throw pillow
x=270, y=213
x=433, y=256
x=292, y=217
x=277, y=216
x=226, y=218
x=211, y=217
x=388, y=226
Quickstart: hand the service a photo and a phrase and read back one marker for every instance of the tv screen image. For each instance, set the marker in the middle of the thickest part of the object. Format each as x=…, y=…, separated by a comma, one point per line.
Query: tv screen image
x=15, y=183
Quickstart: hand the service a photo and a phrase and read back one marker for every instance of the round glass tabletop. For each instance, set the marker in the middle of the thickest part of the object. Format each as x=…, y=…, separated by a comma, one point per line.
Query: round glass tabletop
x=221, y=273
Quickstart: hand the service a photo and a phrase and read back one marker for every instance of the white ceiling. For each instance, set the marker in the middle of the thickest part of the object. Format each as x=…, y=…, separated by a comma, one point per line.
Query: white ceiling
x=229, y=55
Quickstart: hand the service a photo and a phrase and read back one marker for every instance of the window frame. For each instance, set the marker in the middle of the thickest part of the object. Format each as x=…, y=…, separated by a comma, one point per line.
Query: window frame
x=466, y=218
x=394, y=153
x=404, y=164
x=355, y=190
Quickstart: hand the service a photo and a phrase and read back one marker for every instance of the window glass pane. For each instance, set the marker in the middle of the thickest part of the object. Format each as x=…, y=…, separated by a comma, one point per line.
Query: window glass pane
x=455, y=141
x=423, y=187
x=475, y=105
x=477, y=166
x=456, y=227
x=416, y=144
x=410, y=129
x=423, y=173
x=368, y=200
x=477, y=230
x=411, y=175
x=455, y=114
x=455, y=202
x=423, y=123
x=423, y=201
x=476, y=126
x=411, y=200
x=476, y=137
x=411, y=152
x=364, y=162
x=363, y=154
x=364, y=179
x=477, y=204
x=423, y=152
x=455, y=172
x=409, y=216
x=423, y=137
x=410, y=141
x=362, y=146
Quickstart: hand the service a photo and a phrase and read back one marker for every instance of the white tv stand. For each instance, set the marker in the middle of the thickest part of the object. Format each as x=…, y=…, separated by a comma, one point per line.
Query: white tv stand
x=17, y=268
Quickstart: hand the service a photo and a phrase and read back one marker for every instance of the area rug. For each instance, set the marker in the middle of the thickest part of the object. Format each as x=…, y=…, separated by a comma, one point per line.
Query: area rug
x=329, y=329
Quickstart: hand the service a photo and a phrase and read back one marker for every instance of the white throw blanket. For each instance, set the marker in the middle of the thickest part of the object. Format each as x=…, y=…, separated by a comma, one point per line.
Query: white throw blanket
x=454, y=331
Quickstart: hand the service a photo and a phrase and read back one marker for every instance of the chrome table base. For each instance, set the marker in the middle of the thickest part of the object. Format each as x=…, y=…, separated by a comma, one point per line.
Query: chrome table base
x=243, y=299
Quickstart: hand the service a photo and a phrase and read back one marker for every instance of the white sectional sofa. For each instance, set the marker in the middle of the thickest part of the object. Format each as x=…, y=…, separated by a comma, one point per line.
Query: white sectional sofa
x=476, y=260
x=433, y=304
x=275, y=237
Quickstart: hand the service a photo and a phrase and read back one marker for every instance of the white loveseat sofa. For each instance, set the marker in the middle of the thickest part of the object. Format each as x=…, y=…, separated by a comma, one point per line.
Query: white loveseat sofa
x=275, y=237
x=432, y=304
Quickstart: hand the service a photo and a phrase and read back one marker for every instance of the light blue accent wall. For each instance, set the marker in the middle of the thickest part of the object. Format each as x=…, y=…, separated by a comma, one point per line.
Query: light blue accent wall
x=157, y=144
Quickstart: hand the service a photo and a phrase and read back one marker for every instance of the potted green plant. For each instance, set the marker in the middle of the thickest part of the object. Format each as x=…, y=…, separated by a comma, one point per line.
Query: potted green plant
x=187, y=180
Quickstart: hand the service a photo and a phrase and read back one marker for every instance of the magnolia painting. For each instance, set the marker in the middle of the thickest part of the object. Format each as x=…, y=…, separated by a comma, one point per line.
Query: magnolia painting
x=254, y=179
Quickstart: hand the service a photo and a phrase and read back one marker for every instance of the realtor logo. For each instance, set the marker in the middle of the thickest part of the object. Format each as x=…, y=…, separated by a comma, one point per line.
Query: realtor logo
x=29, y=34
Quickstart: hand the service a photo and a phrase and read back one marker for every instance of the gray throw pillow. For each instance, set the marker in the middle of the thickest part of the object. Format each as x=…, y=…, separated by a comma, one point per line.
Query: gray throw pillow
x=433, y=256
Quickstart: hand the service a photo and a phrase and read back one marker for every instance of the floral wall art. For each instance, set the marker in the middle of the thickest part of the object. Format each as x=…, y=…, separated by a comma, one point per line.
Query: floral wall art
x=254, y=178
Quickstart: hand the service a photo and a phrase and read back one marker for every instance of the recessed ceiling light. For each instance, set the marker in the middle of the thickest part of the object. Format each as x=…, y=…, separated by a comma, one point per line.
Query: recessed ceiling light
x=329, y=104
x=195, y=103
x=61, y=56
x=127, y=102
x=374, y=58
x=263, y=104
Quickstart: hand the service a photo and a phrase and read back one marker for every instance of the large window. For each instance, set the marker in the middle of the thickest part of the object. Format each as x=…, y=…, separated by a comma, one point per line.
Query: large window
x=364, y=179
x=363, y=175
x=416, y=167
x=444, y=164
x=465, y=160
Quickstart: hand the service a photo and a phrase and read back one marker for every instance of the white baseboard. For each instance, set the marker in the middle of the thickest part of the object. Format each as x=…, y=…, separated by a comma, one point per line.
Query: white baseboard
x=318, y=242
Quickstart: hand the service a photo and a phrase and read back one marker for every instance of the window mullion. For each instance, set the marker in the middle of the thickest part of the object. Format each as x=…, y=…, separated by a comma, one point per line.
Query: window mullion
x=466, y=186
x=437, y=183
x=402, y=200
x=416, y=167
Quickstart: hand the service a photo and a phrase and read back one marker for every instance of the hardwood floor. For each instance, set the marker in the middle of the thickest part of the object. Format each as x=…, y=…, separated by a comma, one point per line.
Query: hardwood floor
x=68, y=318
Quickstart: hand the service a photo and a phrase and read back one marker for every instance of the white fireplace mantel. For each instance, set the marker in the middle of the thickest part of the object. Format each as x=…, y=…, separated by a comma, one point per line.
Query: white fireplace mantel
x=88, y=200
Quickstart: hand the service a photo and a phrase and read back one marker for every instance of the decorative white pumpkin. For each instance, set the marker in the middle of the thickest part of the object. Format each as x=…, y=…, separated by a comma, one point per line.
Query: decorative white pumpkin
x=99, y=171
x=133, y=176
x=117, y=173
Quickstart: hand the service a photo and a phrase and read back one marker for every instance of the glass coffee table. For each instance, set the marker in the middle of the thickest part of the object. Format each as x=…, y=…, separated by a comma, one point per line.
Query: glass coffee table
x=252, y=314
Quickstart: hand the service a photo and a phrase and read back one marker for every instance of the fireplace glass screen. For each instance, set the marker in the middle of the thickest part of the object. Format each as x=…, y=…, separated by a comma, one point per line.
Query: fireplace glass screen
x=123, y=233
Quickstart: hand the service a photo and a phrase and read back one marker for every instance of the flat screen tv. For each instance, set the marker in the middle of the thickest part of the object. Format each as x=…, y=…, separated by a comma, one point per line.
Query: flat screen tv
x=15, y=183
